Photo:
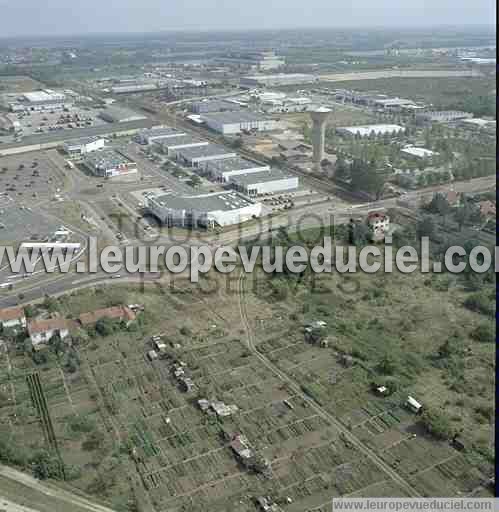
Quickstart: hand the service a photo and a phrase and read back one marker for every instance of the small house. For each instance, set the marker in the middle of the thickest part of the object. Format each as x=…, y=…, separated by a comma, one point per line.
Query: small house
x=413, y=405
x=379, y=223
x=458, y=443
x=222, y=410
x=41, y=331
x=204, y=404
x=13, y=318
x=152, y=355
x=382, y=390
x=186, y=384
x=241, y=447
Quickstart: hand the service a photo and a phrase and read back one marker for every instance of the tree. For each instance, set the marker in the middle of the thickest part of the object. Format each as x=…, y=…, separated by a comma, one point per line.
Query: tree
x=360, y=234
x=437, y=423
x=45, y=466
x=484, y=332
x=387, y=365
x=481, y=303
x=50, y=304
x=29, y=311
x=105, y=326
x=439, y=204
x=425, y=227
x=194, y=181
x=342, y=170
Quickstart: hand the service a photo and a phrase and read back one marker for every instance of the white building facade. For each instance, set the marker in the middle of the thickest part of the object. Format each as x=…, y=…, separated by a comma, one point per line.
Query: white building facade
x=206, y=210
x=79, y=147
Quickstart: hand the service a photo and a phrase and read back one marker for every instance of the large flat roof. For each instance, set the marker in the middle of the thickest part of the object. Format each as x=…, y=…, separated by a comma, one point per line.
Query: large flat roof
x=242, y=116
x=208, y=150
x=279, y=76
x=41, y=96
x=160, y=131
x=58, y=137
x=106, y=158
x=234, y=164
x=82, y=141
x=179, y=140
x=217, y=201
x=369, y=128
x=260, y=177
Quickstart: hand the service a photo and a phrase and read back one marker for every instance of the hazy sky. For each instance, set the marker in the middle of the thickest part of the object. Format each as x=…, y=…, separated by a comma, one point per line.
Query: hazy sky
x=44, y=17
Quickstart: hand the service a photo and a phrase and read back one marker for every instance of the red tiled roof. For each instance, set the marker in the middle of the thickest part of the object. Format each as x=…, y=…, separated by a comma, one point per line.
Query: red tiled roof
x=376, y=215
x=11, y=314
x=52, y=324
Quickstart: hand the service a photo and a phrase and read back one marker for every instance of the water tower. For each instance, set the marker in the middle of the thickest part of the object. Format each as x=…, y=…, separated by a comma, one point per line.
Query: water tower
x=319, y=119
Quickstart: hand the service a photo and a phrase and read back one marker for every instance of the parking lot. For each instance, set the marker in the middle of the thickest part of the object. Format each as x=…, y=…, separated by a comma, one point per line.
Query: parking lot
x=26, y=182
x=56, y=120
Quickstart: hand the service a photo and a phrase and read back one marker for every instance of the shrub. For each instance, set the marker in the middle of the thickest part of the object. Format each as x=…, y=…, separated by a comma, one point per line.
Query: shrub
x=485, y=333
x=480, y=303
x=437, y=423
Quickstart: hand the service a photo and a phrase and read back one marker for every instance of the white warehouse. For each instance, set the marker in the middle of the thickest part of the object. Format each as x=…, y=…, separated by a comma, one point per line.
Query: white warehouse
x=264, y=182
x=157, y=134
x=200, y=155
x=370, y=129
x=173, y=144
x=46, y=99
x=77, y=147
x=222, y=170
x=206, y=210
x=231, y=123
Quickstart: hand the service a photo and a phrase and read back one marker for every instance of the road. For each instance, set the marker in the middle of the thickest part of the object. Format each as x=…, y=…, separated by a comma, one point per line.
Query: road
x=52, y=498
x=370, y=454
x=307, y=216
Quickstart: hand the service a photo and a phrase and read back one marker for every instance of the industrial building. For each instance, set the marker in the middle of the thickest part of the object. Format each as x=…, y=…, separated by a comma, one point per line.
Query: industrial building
x=133, y=88
x=477, y=123
x=255, y=61
x=264, y=182
x=392, y=104
x=46, y=99
x=231, y=123
x=444, y=116
x=367, y=130
x=77, y=147
x=115, y=114
x=276, y=80
x=419, y=153
x=109, y=163
x=173, y=144
x=207, y=106
x=198, y=156
x=157, y=134
x=222, y=170
x=300, y=104
x=39, y=142
x=206, y=210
